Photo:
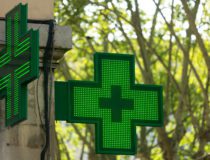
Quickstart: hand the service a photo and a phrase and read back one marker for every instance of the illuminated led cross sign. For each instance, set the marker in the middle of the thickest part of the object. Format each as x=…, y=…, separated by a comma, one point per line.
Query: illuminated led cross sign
x=18, y=64
x=113, y=102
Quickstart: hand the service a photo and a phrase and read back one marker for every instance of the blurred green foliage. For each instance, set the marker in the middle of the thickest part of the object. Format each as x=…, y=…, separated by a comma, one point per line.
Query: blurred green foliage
x=168, y=52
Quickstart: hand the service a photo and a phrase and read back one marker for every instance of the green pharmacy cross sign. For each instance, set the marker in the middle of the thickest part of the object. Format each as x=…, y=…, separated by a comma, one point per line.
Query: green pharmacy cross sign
x=18, y=64
x=113, y=102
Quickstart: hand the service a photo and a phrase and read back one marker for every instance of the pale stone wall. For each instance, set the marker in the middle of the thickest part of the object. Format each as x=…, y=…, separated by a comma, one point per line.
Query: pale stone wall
x=38, y=9
x=25, y=140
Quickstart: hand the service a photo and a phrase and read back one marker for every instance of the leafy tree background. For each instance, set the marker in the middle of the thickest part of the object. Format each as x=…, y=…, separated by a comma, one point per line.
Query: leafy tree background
x=171, y=45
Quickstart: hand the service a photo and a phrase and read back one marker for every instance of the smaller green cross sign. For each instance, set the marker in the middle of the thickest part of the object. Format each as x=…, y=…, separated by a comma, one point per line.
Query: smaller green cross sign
x=116, y=100
x=19, y=64
x=113, y=102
